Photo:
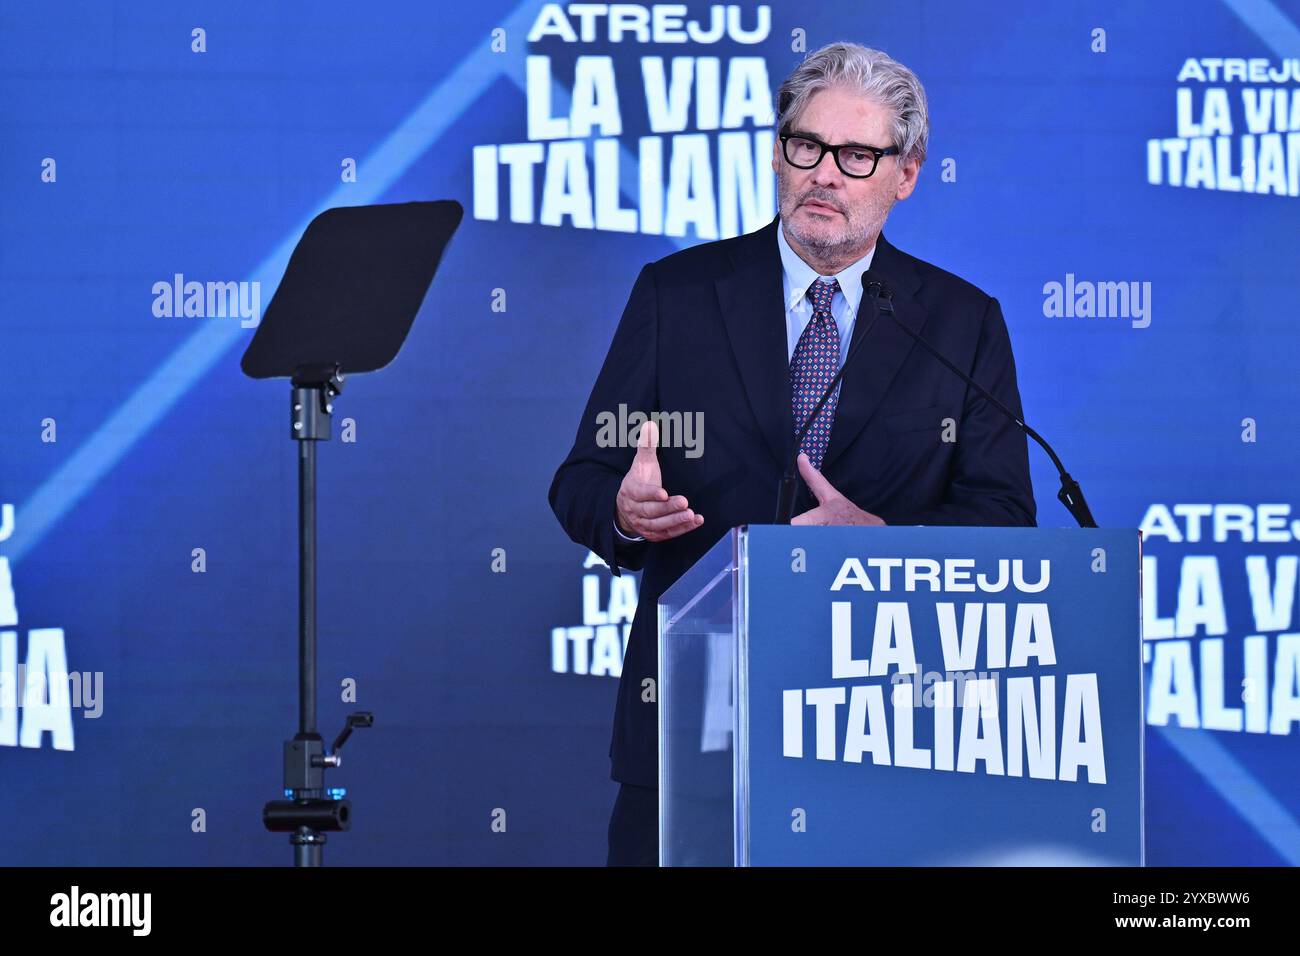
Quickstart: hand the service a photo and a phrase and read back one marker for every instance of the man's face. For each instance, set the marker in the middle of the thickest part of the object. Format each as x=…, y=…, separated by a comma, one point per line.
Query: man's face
x=826, y=212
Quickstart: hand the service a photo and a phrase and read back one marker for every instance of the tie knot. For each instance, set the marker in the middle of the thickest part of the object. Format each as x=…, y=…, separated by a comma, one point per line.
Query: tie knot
x=822, y=292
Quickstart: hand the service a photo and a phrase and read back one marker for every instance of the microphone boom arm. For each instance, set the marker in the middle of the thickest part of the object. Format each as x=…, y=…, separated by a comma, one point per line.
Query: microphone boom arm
x=1070, y=495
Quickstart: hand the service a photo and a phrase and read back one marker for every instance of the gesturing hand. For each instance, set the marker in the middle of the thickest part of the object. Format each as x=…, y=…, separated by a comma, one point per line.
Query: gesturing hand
x=832, y=507
x=643, y=506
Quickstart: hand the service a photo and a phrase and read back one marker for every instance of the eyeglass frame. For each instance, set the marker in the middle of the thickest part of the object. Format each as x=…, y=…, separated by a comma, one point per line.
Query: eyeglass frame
x=834, y=150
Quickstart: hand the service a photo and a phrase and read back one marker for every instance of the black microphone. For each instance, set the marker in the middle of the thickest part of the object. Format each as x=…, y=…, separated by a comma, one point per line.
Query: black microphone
x=874, y=292
x=1070, y=495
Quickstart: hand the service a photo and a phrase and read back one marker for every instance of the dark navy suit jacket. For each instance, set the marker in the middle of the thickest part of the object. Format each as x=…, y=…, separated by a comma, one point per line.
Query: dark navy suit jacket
x=704, y=331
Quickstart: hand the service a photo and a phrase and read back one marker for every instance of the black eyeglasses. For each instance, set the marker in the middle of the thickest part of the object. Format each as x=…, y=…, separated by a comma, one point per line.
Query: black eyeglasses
x=854, y=159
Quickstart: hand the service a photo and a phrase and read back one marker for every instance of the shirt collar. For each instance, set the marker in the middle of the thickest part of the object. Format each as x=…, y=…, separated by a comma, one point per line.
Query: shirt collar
x=799, y=275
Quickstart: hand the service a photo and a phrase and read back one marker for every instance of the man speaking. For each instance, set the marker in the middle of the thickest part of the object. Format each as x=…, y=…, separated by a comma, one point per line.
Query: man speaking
x=745, y=335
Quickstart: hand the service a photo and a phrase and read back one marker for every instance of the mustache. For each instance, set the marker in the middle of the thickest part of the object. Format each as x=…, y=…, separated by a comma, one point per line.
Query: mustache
x=819, y=197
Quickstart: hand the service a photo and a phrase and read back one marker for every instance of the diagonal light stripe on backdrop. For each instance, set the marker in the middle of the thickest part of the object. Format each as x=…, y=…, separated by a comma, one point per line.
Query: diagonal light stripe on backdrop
x=193, y=358
x=1268, y=23
x=1239, y=788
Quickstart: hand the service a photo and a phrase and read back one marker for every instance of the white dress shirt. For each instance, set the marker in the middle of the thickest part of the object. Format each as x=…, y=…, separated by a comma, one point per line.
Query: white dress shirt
x=797, y=276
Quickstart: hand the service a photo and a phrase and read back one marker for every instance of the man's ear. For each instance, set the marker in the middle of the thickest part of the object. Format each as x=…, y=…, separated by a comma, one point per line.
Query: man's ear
x=776, y=155
x=911, y=170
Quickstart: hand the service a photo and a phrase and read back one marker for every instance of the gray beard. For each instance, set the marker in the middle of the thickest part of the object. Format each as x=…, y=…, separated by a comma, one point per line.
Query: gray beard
x=863, y=226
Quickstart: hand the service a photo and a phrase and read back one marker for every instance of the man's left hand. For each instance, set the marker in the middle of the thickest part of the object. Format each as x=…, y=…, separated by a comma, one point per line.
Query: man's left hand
x=832, y=507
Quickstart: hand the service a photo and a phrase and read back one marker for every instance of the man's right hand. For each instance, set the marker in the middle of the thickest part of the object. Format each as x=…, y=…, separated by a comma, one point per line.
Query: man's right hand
x=643, y=506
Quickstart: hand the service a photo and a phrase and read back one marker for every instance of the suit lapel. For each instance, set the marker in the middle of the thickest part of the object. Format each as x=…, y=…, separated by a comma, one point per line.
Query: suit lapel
x=752, y=300
x=883, y=348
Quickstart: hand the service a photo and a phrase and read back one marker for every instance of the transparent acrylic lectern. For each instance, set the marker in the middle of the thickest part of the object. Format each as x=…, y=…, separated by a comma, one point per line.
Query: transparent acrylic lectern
x=701, y=636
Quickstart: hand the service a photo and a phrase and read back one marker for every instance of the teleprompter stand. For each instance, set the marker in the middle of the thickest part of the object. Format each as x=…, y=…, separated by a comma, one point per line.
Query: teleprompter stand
x=351, y=291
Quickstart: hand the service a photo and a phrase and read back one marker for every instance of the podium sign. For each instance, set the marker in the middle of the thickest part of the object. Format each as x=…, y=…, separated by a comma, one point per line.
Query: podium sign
x=905, y=696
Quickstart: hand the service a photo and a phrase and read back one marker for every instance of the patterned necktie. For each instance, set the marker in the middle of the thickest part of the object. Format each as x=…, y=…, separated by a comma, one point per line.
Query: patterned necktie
x=816, y=360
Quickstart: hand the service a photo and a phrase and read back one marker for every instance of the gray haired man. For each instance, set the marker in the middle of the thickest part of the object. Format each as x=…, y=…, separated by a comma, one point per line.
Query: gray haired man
x=748, y=333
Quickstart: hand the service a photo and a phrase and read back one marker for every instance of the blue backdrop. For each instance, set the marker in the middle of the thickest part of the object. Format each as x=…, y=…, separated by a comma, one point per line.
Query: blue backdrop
x=151, y=537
